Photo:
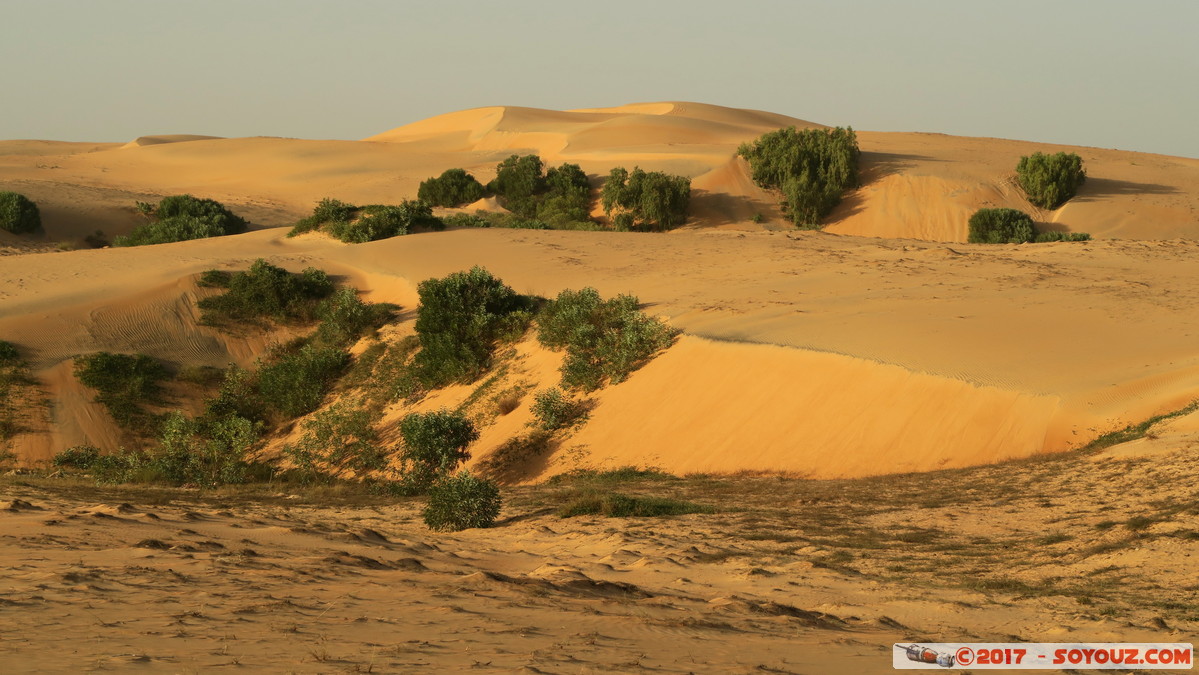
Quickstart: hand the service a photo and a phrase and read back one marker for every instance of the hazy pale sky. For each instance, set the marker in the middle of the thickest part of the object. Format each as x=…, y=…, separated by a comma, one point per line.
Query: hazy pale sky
x=1106, y=73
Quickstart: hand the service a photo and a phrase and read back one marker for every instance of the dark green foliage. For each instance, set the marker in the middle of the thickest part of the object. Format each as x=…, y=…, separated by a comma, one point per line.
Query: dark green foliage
x=360, y=224
x=345, y=318
x=205, y=452
x=566, y=179
x=554, y=410
x=454, y=187
x=238, y=396
x=603, y=339
x=810, y=167
x=460, y=320
x=215, y=279
x=182, y=218
x=518, y=180
x=124, y=382
x=8, y=352
x=461, y=502
x=466, y=220
x=16, y=384
x=296, y=382
x=338, y=439
x=652, y=201
x=326, y=211
x=265, y=292
x=78, y=457
x=1044, y=237
x=1001, y=226
x=616, y=476
x=435, y=444
x=18, y=214
x=1050, y=180
x=615, y=505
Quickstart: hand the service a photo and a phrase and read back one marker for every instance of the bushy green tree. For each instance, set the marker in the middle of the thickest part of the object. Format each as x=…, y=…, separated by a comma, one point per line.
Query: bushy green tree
x=518, y=180
x=1050, y=180
x=435, y=444
x=360, y=224
x=810, y=167
x=462, y=502
x=459, y=321
x=603, y=339
x=650, y=200
x=1001, y=226
x=18, y=214
x=182, y=218
x=206, y=452
x=554, y=410
x=340, y=438
x=454, y=187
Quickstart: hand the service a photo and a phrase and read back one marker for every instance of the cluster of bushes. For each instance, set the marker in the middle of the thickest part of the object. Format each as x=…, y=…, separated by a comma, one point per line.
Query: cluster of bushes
x=559, y=197
x=810, y=167
x=646, y=200
x=265, y=291
x=18, y=214
x=360, y=224
x=1050, y=180
x=1012, y=226
x=461, y=319
x=514, y=222
x=180, y=218
x=605, y=340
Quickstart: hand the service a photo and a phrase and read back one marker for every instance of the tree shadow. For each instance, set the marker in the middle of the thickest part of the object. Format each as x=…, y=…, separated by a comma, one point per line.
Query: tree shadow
x=875, y=165
x=1097, y=188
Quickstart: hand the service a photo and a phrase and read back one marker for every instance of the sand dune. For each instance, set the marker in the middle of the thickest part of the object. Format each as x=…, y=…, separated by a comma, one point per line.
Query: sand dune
x=917, y=186
x=797, y=347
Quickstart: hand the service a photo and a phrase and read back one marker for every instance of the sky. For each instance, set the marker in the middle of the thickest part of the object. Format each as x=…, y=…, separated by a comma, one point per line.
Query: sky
x=1103, y=73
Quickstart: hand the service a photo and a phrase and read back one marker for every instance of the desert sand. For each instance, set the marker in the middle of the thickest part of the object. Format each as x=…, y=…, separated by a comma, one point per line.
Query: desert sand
x=899, y=379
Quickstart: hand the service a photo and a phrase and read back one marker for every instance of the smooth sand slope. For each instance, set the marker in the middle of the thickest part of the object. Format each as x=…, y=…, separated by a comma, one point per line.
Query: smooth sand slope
x=921, y=186
x=804, y=353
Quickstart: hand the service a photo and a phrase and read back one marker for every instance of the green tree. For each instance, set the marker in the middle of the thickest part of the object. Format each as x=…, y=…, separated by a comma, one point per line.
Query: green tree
x=1001, y=226
x=454, y=187
x=811, y=168
x=652, y=200
x=18, y=214
x=459, y=321
x=518, y=181
x=435, y=444
x=1050, y=180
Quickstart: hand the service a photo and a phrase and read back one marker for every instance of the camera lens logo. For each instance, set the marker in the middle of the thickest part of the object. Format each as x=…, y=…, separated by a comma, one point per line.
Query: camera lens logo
x=926, y=655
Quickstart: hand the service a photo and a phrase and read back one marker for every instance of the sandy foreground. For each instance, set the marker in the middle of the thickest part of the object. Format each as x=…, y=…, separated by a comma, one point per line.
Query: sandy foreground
x=788, y=576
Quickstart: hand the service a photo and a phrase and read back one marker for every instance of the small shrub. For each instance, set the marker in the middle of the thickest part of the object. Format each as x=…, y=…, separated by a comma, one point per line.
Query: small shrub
x=615, y=505
x=460, y=320
x=1001, y=226
x=360, y=224
x=604, y=340
x=18, y=214
x=435, y=444
x=182, y=218
x=205, y=452
x=1050, y=180
x=78, y=457
x=461, y=502
x=125, y=382
x=345, y=318
x=215, y=279
x=1044, y=237
x=8, y=352
x=554, y=410
x=454, y=187
x=810, y=167
x=653, y=200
